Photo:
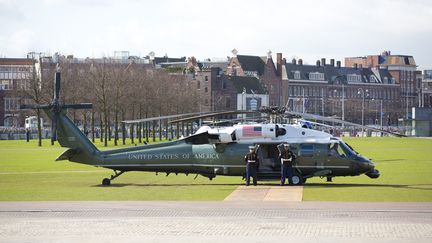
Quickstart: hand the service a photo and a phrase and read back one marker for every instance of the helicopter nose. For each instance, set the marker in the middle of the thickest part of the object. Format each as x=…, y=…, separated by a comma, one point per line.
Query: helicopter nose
x=371, y=171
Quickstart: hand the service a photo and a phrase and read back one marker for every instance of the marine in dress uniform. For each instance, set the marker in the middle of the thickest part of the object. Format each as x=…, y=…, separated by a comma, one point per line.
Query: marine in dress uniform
x=287, y=159
x=252, y=161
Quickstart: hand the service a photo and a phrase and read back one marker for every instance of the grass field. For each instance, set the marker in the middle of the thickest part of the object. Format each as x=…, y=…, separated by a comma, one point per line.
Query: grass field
x=29, y=173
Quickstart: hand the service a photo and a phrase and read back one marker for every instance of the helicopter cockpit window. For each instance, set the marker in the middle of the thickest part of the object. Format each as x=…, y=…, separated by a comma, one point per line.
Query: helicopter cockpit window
x=346, y=149
x=335, y=150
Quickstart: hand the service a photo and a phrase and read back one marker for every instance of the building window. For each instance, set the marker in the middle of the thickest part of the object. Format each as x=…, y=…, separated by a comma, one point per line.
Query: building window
x=206, y=89
x=385, y=80
x=11, y=104
x=354, y=78
x=5, y=85
x=227, y=102
x=296, y=74
x=224, y=85
x=234, y=70
x=206, y=101
x=316, y=76
x=206, y=78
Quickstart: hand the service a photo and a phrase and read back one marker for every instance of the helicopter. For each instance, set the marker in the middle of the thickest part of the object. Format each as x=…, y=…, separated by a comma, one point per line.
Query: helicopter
x=212, y=151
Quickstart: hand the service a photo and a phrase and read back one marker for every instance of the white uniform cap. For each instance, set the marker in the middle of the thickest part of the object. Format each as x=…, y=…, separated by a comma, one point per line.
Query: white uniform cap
x=251, y=147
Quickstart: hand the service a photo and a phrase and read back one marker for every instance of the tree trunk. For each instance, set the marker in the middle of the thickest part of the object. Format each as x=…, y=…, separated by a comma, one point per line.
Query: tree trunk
x=132, y=125
x=101, y=127
x=93, y=126
x=124, y=135
x=109, y=125
x=85, y=124
x=106, y=129
x=116, y=127
x=39, y=127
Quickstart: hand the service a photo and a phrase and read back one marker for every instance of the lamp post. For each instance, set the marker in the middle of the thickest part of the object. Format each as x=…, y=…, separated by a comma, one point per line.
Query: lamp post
x=381, y=116
x=338, y=79
x=343, y=104
x=243, y=107
x=362, y=92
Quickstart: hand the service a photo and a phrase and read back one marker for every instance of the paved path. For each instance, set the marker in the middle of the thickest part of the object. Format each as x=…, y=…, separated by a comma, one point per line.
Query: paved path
x=215, y=222
x=267, y=193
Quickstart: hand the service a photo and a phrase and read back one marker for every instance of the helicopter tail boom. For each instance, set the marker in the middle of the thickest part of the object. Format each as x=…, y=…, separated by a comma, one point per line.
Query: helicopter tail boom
x=81, y=149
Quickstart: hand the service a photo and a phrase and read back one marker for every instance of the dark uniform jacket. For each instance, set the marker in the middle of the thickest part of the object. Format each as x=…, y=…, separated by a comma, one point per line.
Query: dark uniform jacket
x=286, y=156
x=252, y=157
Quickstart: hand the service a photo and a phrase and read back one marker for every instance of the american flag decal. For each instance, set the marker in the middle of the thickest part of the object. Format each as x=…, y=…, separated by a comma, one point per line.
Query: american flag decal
x=252, y=131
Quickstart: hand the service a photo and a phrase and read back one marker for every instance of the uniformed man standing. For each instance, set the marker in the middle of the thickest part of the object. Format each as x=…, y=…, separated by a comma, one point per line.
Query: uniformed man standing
x=287, y=159
x=252, y=161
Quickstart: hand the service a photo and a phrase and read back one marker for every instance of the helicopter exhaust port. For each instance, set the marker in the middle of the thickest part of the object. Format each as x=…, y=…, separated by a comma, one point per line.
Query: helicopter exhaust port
x=373, y=174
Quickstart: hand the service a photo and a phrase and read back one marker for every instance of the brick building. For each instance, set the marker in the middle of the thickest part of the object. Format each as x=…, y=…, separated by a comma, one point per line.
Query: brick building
x=401, y=67
x=262, y=68
x=221, y=92
x=344, y=92
x=426, y=89
x=15, y=77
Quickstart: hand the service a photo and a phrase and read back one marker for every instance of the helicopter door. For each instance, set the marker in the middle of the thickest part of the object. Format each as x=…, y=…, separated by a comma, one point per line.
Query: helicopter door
x=268, y=154
x=336, y=158
x=320, y=156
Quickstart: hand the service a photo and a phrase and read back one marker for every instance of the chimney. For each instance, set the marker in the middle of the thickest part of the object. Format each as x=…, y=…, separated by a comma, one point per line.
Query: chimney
x=318, y=63
x=300, y=62
x=279, y=64
x=283, y=61
x=323, y=61
x=294, y=61
x=338, y=64
x=355, y=65
x=332, y=62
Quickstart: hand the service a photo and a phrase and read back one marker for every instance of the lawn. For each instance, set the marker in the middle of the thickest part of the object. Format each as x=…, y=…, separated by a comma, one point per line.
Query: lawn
x=29, y=173
x=405, y=165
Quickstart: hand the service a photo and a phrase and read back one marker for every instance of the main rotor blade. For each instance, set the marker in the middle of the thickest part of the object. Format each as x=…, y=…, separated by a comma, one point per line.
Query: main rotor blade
x=57, y=86
x=34, y=106
x=161, y=118
x=213, y=115
x=328, y=119
x=78, y=106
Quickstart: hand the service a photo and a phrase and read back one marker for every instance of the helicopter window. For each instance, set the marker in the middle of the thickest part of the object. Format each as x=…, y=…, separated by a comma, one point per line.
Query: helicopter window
x=335, y=150
x=306, y=150
x=346, y=149
x=280, y=131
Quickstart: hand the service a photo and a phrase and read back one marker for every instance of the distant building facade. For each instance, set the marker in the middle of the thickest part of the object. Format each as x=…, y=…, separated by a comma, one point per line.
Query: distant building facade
x=401, y=67
x=15, y=77
x=262, y=68
x=345, y=92
x=426, y=89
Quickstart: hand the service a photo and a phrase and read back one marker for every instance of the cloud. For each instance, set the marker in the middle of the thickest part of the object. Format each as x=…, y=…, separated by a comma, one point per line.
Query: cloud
x=204, y=29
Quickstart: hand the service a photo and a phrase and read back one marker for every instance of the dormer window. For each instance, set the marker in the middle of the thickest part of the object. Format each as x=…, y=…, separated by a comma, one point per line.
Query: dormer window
x=316, y=76
x=373, y=79
x=234, y=70
x=354, y=78
x=297, y=75
x=386, y=80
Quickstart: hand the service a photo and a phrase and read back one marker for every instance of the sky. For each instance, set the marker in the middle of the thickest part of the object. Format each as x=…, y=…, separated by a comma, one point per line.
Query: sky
x=307, y=29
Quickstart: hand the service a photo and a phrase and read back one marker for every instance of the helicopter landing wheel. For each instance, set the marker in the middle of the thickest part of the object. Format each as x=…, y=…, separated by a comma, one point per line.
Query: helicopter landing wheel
x=106, y=182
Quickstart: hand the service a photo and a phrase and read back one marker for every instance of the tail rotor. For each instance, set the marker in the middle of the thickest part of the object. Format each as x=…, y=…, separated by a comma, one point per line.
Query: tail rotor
x=55, y=107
